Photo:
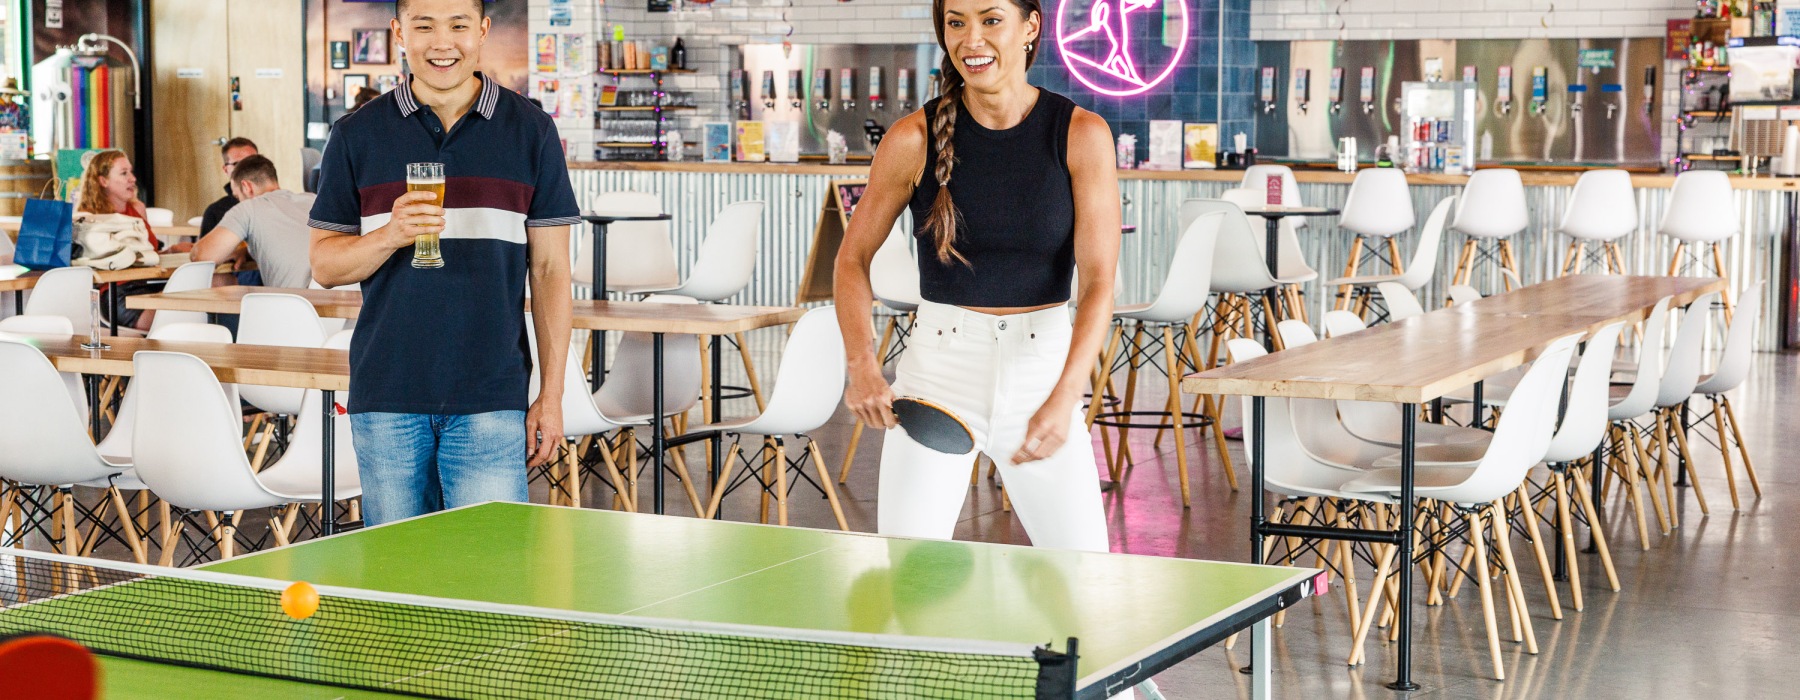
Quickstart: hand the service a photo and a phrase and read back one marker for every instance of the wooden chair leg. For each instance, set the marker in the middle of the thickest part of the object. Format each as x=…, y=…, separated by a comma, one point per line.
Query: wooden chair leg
x=706, y=387
x=1465, y=263
x=1737, y=436
x=1639, y=459
x=1675, y=258
x=837, y=511
x=1503, y=542
x=1615, y=260
x=1725, y=451
x=718, y=492
x=1679, y=431
x=170, y=534
x=781, y=491
x=1393, y=247
x=1575, y=258
x=1509, y=261
x=750, y=371
x=1350, y=266
x=1175, y=413
x=1523, y=496
x=1579, y=482
x=1565, y=524
x=1720, y=271
x=1478, y=541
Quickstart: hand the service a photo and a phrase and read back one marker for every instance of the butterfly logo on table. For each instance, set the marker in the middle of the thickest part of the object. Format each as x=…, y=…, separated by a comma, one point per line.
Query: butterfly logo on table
x=1111, y=51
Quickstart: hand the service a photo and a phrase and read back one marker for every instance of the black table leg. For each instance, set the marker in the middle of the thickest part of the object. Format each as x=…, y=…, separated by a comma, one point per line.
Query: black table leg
x=1475, y=421
x=718, y=405
x=597, y=339
x=1559, y=566
x=91, y=382
x=656, y=419
x=1681, y=465
x=328, y=465
x=1408, y=448
x=1258, y=514
x=1272, y=253
x=112, y=305
x=1595, y=518
x=18, y=303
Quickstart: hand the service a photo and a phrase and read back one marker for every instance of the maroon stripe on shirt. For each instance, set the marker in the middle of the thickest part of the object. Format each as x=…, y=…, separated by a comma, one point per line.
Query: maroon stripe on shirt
x=459, y=193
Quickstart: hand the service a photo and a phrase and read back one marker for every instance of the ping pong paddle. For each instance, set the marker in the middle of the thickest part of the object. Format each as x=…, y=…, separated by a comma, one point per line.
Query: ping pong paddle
x=933, y=426
x=47, y=667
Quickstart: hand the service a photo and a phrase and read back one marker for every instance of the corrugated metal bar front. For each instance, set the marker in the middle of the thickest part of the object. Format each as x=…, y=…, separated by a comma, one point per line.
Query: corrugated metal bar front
x=794, y=201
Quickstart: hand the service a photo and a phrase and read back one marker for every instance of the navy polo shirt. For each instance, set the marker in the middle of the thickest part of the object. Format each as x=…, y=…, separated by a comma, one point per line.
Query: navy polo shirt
x=449, y=340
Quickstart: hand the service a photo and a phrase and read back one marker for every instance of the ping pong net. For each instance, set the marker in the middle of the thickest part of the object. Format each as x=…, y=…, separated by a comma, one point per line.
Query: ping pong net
x=437, y=647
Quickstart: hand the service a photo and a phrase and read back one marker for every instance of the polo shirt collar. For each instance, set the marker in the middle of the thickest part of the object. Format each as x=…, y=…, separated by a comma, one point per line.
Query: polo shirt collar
x=484, y=104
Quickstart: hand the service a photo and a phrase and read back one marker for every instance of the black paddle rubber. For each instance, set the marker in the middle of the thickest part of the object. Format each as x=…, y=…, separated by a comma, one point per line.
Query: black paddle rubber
x=933, y=426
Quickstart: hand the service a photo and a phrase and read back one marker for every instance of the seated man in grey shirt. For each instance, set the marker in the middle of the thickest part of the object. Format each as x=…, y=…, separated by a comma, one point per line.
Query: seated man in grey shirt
x=271, y=221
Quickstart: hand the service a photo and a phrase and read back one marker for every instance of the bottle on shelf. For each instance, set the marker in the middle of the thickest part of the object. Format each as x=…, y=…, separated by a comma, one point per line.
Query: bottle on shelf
x=678, y=55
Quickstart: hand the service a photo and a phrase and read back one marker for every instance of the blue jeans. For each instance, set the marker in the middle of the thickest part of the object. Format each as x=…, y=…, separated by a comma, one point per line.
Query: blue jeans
x=417, y=463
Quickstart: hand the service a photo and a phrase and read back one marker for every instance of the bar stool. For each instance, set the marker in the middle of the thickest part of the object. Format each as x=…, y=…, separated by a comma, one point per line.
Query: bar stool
x=1293, y=273
x=1601, y=210
x=1417, y=274
x=1377, y=207
x=1700, y=214
x=1163, y=327
x=1492, y=207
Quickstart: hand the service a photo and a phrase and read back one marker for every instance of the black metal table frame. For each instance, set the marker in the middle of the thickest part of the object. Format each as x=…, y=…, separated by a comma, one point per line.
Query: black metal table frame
x=1272, y=254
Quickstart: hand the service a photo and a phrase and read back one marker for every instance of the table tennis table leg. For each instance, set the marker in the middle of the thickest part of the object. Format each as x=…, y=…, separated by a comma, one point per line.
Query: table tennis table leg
x=328, y=465
x=656, y=420
x=1260, y=659
x=1409, y=414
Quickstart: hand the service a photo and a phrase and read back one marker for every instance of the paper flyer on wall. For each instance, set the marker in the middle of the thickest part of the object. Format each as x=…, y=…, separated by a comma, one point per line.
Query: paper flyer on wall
x=1165, y=145
x=781, y=139
x=1201, y=142
x=718, y=142
x=574, y=102
x=750, y=141
x=574, y=55
x=546, y=53
x=545, y=90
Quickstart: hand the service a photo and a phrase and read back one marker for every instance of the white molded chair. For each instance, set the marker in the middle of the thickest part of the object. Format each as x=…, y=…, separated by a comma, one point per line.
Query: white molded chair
x=1462, y=294
x=1292, y=271
x=1240, y=271
x=65, y=292
x=1492, y=207
x=639, y=254
x=1399, y=300
x=195, y=221
x=1418, y=272
x=1139, y=328
x=187, y=278
x=1628, y=403
x=723, y=268
x=1681, y=376
x=1732, y=370
x=1378, y=207
x=807, y=392
x=627, y=396
x=189, y=452
x=117, y=445
x=584, y=424
x=1330, y=429
x=1521, y=439
x=284, y=320
x=1601, y=210
x=45, y=444
x=1256, y=180
x=1700, y=215
x=49, y=325
x=159, y=217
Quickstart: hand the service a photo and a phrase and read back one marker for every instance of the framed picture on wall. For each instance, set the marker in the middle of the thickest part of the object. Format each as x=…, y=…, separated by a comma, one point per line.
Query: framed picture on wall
x=371, y=46
x=385, y=83
x=340, y=55
x=353, y=83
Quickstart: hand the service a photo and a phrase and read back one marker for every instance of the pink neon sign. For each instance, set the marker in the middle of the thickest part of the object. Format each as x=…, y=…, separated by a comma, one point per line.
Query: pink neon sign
x=1095, y=38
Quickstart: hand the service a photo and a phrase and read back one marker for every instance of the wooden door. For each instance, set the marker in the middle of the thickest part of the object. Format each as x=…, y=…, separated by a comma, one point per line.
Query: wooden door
x=193, y=96
x=267, y=57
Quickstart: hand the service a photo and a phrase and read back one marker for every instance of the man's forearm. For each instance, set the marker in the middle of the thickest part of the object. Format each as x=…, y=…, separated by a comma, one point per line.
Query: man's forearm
x=339, y=259
x=550, y=316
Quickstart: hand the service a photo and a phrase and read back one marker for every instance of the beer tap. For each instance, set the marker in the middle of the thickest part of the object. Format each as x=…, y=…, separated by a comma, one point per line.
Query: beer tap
x=768, y=89
x=1617, y=92
x=821, y=89
x=875, y=100
x=1540, y=89
x=1649, y=89
x=903, y=90
x=740, y=91
x=1575, y=92
x=1336, y=95
x=1366, y=89
x=1302, y=88
x=794, y=98
x=847, y=88
x=1503, y=100
x=1268, y=89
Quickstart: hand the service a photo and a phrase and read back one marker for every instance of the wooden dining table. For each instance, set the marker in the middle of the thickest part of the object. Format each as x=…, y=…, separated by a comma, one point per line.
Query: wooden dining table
x=1416, y=360
x=164, y=268
x=657, y=319
x=265, y=365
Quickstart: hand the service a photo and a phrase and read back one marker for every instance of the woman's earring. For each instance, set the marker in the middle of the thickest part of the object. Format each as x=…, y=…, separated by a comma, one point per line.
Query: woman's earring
x=1028, y=48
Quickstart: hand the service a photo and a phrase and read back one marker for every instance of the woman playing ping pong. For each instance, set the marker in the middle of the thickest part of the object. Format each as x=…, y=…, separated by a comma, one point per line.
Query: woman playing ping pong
x=1011, y=188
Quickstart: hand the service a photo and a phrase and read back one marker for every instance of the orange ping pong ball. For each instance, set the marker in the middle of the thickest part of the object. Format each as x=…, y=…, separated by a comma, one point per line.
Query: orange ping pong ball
x=300, y=600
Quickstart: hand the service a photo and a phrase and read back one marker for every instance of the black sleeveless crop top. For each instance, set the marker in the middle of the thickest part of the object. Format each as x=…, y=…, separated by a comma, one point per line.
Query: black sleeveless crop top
x=1017, y=208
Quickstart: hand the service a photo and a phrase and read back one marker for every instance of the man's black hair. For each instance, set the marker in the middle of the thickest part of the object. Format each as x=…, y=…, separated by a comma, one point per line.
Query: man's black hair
x=400, y=9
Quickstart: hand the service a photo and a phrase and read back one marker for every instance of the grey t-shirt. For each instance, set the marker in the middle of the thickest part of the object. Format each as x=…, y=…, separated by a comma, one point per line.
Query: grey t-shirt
x=274, y=226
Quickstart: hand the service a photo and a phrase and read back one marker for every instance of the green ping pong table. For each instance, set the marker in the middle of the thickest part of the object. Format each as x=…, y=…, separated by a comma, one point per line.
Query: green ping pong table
x=567, y=602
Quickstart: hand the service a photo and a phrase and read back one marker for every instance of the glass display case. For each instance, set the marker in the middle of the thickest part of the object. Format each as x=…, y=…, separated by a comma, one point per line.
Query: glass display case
x=1438, y=121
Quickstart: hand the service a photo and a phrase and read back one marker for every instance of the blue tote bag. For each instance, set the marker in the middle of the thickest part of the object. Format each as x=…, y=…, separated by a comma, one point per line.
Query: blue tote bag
x=45, y=234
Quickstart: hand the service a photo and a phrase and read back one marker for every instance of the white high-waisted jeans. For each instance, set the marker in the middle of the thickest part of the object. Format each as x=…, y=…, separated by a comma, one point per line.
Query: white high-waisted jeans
x=993, y=372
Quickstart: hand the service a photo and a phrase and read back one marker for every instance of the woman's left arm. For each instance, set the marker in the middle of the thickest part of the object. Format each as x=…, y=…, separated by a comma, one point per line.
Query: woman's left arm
x=1094, y=177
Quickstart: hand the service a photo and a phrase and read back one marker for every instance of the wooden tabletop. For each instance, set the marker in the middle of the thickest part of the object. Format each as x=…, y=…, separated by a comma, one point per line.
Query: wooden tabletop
x=164, y=268
x=306, y=368
x=12, y=227
x=697, y=319
x=1425, y=357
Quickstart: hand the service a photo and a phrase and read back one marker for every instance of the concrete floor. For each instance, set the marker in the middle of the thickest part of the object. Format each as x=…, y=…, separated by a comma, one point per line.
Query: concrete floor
x=1704, y=612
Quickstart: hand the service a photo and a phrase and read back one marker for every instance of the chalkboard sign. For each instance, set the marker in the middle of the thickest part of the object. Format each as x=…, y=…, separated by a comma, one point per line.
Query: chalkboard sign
x=834, y=220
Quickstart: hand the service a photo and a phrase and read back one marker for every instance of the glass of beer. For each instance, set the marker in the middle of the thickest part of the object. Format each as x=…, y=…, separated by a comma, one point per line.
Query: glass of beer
x=426, y=177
